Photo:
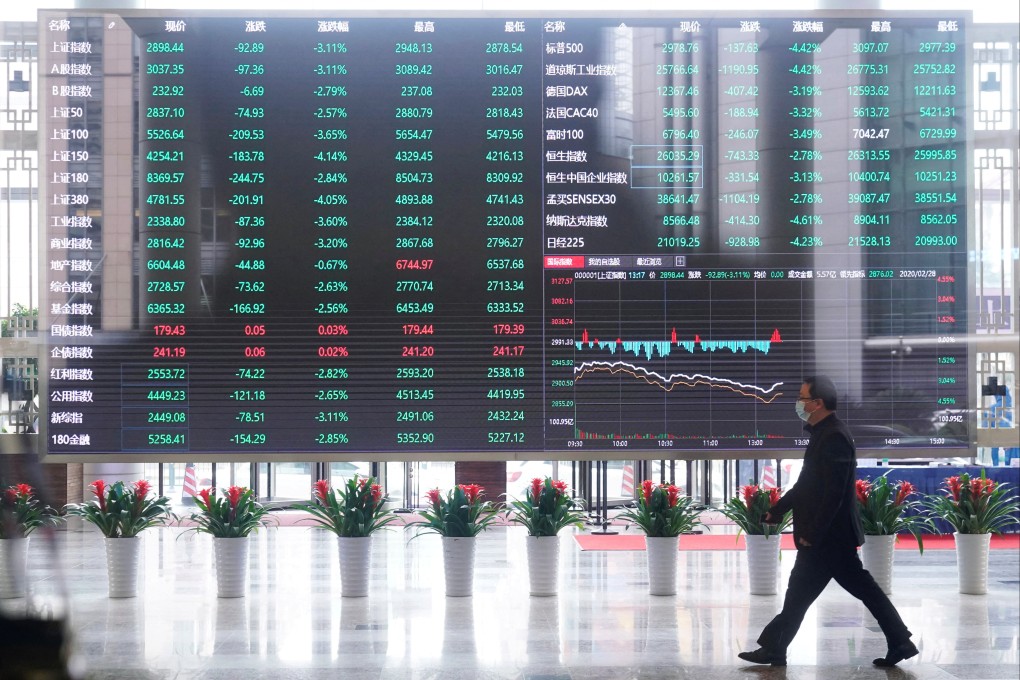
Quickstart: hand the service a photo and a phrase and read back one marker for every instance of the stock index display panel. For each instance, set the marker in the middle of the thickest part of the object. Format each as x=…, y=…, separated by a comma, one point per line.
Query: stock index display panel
x=500, y=236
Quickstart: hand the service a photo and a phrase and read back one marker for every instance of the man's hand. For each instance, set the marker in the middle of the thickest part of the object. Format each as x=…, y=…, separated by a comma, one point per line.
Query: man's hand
x=803, y=542
x=771, y=519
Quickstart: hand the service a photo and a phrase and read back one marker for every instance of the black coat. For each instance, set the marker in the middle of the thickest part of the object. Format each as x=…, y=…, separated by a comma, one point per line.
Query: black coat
x=824, y=499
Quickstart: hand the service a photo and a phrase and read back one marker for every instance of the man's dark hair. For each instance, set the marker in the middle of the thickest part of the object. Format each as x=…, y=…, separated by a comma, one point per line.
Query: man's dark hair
x=822, y=387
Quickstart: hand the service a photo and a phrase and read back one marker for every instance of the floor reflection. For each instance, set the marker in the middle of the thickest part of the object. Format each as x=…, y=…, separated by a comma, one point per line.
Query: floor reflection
x=293, y=623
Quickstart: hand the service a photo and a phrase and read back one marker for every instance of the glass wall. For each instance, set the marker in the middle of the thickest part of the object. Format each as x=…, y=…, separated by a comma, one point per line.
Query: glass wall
x=179, y=481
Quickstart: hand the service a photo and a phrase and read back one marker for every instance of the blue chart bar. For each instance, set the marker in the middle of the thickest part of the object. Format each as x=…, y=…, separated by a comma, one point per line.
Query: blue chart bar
x=663, y=348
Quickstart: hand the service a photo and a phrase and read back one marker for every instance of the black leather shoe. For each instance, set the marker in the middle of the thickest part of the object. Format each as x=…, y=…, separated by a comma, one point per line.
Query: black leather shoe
x=762, y=655
x=902, y=651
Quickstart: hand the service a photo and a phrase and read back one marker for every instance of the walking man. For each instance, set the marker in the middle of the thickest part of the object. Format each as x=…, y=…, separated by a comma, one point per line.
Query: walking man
x=827, y=531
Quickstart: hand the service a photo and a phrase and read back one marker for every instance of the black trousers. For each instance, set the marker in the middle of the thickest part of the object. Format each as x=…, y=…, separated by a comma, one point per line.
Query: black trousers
x=812, y=571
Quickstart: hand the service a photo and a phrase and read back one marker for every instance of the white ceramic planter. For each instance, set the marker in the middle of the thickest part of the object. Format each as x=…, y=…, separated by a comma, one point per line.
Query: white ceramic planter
x=231, y=566
x=877, y=556
x=763, y=564
x=459, y=565
x=355, y=562
x=972, y=562
x=122, y=557
x=543, y=564
x=662, y=554
x=13, y=567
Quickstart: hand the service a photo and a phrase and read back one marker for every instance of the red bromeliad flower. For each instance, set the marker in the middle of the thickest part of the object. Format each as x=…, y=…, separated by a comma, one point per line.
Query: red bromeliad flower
x=351, y=510
x=472, y=491
x=863, y=490
x=906, y=488
x=23, y=490
x=662, y=511
x=974, y=505
x=99, y=488
x=142, y=488
x=433, y=495
x=536, y=489
x=647, y=487
x=235, y=514
x=10, y=496
x=774, y=495
x=954, y=486
x=748, y=492
x=322, y=490
x=121, y=509
x=545, y=509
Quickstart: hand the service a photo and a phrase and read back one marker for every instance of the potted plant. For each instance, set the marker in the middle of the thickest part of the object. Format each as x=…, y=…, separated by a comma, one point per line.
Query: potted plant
x=977, y=508
x=458, y=516
x=663, y=514
x=748, y=511
x=229, y=520
x=121, y=513
x=545, y=509
x=352, y=512
x=882, y=506
x=21, y=513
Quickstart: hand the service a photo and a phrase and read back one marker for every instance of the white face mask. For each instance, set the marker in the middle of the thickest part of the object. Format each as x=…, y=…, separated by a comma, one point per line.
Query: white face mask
x=801, y=413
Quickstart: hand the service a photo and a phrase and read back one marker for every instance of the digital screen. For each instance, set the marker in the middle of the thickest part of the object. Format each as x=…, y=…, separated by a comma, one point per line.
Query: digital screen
x=500, y=236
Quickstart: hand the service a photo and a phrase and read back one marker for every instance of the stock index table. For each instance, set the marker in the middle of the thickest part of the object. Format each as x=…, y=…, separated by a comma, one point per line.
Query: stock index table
x=500, y=236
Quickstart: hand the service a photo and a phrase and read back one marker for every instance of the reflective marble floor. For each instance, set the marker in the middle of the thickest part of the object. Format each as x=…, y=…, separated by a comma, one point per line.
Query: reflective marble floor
x=293, y=623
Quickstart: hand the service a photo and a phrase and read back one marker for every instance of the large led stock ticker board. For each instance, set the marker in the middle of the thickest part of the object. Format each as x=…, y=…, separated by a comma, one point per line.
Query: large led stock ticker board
x=500, y=236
